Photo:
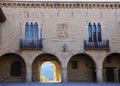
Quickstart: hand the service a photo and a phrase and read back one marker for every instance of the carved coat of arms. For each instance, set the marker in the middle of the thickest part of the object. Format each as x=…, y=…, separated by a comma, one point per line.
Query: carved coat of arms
x=62, y=31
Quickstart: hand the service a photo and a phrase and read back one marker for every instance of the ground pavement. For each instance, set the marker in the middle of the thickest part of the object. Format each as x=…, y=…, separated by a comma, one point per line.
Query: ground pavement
x=59, y=84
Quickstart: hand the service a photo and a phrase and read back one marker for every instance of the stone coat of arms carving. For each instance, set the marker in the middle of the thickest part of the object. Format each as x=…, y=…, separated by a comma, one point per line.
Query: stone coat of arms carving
x=62, y=31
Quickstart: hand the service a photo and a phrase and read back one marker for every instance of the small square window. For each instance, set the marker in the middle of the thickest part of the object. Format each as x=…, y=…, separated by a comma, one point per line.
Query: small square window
x=74, y=64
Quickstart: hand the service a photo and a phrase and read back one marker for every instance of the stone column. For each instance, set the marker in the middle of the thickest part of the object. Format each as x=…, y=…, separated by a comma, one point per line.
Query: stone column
x=116, y=75
x=99, y=72
x=64, y=75
x=28, y=74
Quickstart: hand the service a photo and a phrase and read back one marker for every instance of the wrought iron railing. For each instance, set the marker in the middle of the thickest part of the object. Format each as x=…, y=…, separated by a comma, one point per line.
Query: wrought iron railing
x=104, y=44
x=30, y=44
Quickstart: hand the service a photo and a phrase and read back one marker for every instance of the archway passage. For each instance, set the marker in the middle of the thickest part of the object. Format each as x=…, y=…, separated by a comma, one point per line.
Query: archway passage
x=37, y=67
x=12, y=68
x=111, y=66
x=47, y=72
x=81, y=68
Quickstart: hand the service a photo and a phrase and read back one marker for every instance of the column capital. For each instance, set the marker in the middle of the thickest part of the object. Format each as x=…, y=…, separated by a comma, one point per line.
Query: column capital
x=64, y=68
x=99, y=68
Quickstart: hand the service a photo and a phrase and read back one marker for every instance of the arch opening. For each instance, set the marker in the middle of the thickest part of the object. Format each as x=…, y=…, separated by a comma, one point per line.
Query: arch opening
x=111, y=67
x=47, y=72
x=16, y=69
x=46, y=68
x=81, y=68
x=12, y=68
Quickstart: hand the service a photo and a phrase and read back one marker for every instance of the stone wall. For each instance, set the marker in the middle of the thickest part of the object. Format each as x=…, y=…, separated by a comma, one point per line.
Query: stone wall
x=62, y=25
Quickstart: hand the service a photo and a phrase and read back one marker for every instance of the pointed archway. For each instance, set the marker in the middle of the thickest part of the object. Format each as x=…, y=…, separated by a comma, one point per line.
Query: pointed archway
x=12, y=68
x=81, y=68
x=111, y=67
x=37, y=65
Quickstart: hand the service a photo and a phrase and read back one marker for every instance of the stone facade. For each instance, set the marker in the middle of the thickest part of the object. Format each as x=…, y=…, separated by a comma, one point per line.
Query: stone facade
x=60, y=23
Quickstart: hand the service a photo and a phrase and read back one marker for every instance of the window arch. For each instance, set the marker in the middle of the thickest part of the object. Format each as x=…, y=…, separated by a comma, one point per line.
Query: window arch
x=16, y=69
x=94, y=33
x=31, y=32
x=35, y=31
x=27, y=31
x=99, y=32
x=90, y=32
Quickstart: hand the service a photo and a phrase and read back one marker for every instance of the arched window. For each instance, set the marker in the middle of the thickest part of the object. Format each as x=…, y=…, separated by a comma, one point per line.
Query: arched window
x=16, y=69
x=94, y=33
x=90, y=32
x=35, y=31
x=31, y=32
x=99, y=32
x=27, y=31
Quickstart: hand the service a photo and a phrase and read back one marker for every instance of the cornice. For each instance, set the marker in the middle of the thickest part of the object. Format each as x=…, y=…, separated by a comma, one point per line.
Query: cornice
x=63, y=4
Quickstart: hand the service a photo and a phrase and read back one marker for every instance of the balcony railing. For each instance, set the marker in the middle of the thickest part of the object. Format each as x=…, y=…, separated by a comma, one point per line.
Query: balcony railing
x=104, y=44
x=30, y=44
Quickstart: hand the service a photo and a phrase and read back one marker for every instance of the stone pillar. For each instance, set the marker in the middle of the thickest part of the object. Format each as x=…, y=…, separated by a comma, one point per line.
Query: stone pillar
x=99, y=72
x=116, y=75
x=28, y=74
x=64, y=75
